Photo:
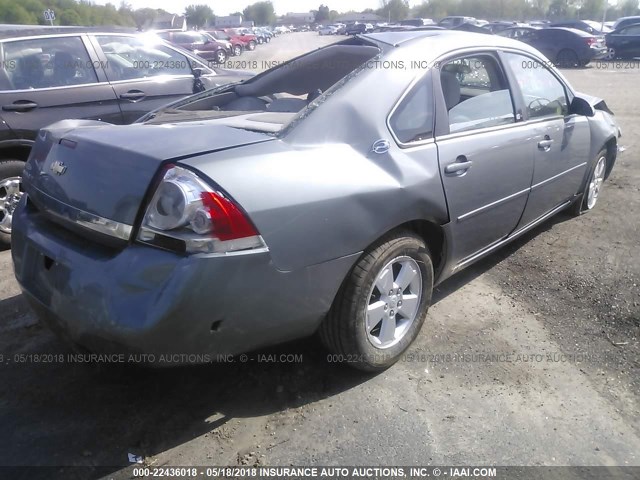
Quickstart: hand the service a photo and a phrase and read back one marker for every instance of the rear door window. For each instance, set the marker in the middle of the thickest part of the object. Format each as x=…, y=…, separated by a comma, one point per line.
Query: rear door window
x=45, y=63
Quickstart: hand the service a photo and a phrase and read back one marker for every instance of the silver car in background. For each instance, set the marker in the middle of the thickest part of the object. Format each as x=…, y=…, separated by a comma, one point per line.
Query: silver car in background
x=329, y=194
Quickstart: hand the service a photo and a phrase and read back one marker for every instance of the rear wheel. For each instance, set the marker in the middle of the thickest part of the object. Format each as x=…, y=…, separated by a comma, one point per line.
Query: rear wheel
x=567, y=59
x=593, y=186
x=10, y=194
x=382, y=304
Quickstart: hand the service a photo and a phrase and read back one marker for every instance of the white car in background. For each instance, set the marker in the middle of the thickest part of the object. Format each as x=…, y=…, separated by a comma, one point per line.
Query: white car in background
x=328, y=30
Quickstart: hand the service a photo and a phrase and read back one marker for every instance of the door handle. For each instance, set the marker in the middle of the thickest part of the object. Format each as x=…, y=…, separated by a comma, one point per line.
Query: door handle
x=545, y=144
x=19, y=107
x=458, y=167
x=133, y=95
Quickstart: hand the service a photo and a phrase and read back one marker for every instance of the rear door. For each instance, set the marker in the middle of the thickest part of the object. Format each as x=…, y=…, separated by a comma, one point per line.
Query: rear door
x=144, y=73
x=561, y=141
x=626, y=42
x=51, y=78
x=483, y=151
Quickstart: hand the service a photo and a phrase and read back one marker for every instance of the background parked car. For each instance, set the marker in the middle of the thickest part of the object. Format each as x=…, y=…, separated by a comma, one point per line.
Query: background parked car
x=566, y=47
x=204, y=46
x=624, y=42
x=593, y=28
x=328, y=30
x=454, y=21
x=356, y=28
x=516, y=32
x=49, y=74
x=242, y=35
x=624, y=21
x=237, y=45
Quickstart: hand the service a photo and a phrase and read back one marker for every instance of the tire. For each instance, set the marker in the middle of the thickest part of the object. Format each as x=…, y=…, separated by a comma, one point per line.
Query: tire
x=567, y=59
x=10, y=193
x=592, y=186
x=611, y=54
x=260, y=41
x=252, y=45
x=359, y=338
x=221, y=57
x=237, y=50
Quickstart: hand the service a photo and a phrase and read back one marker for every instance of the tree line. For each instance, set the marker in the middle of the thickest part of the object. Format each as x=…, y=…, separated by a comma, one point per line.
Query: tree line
x=83, y=12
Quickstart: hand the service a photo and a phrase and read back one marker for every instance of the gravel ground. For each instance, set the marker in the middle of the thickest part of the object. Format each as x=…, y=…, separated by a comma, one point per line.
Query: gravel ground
x=530, y=357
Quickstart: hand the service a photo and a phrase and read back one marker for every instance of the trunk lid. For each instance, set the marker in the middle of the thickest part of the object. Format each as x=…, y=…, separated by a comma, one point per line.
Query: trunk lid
x=80, y=170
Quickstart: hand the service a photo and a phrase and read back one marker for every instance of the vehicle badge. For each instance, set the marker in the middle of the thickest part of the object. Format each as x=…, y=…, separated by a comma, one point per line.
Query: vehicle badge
x=380, y=146
x=58, y=168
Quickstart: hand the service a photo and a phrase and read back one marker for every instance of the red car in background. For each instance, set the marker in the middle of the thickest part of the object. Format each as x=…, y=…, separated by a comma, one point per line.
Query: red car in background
x=200, y=43
x=249, y=38
x=237, y=44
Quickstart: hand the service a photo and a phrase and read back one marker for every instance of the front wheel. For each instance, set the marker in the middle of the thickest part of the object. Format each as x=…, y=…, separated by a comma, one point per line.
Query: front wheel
x=382, y=304
x=593, y=185
x=237, y=50
x=252, y=46
x=10, y=194
x=611, y=54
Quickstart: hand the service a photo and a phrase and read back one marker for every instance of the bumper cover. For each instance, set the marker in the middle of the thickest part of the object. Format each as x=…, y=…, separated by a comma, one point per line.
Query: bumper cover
x=144, y=300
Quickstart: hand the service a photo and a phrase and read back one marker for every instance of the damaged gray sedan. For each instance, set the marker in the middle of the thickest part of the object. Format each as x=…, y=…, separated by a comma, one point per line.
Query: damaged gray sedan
x=328, y=195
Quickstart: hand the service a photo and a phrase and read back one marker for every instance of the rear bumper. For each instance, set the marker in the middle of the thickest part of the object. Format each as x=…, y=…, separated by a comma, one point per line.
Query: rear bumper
x=144, y=300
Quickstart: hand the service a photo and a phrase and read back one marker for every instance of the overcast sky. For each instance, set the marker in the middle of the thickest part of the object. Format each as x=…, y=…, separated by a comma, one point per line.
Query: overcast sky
x=225, y=7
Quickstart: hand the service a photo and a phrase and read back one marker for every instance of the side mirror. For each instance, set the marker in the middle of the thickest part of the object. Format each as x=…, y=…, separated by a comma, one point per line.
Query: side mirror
x=198, y=72
x=580, y=106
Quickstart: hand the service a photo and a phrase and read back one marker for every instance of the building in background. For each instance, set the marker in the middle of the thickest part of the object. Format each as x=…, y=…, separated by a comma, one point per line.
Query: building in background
x=231, y=21
x=360, y=18
x=168, y=21
x=297, y=18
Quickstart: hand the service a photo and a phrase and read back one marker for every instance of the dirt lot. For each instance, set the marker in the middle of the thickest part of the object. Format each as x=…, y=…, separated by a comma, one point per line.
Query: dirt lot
x=530, y=357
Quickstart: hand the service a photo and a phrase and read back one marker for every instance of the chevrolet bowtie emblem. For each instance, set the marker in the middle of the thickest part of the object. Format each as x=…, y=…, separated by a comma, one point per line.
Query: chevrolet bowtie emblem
x=58, y=168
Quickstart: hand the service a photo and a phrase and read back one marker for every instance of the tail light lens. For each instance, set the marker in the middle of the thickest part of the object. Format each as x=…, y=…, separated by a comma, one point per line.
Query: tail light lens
x=591, y=41
x=185, y=214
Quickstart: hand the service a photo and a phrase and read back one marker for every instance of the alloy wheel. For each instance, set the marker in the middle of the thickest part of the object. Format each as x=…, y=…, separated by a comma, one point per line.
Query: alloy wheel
x=595, y=184
x=394, y=302
x=10, y=194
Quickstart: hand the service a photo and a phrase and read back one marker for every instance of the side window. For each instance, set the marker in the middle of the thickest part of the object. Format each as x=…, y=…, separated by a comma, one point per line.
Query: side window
x=544, y=95
x=476, y=93
x=45, y=63
x=130, y=58
x=634, y=30
x=413, y=119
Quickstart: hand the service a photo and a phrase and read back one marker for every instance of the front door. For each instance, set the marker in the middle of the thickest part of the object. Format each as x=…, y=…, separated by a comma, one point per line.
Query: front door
x=561, y=141
x=485, y=163
x=145, y=74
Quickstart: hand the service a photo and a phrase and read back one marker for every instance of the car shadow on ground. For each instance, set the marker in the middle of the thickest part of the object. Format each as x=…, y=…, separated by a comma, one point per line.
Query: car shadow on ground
x=72, y=414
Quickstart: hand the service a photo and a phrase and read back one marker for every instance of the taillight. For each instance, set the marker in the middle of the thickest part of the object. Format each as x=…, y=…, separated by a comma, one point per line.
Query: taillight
x=187, y=215
x=591, y=40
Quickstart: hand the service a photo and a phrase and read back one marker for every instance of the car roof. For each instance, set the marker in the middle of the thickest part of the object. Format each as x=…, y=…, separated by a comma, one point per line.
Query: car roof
x=443, y=40
x=11, y=31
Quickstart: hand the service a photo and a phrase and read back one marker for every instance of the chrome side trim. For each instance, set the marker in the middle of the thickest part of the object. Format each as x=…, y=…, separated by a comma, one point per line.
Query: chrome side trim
x=87, y=220
x=555, y=177
x=511, y=237
x=472, y=213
